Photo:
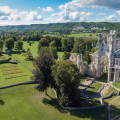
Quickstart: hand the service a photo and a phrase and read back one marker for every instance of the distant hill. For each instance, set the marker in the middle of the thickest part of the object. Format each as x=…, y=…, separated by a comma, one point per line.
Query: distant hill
x=61, y=26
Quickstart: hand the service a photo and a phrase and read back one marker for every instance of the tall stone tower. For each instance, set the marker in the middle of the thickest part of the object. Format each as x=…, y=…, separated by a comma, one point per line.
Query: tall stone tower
x=79, y=60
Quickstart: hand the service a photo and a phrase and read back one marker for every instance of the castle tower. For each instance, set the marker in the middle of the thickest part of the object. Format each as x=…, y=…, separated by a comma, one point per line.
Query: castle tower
x=79, y=60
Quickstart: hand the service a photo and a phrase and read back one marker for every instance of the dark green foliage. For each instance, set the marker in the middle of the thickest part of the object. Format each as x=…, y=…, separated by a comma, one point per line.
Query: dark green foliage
x=53, y=51
x=42, y=72
x=9, y=43
x=67, y=78
x=44, y=50
x=1, y=45
x=64, y=42
x=87, y=57
x=66, y=55
x=28, y=54
x=19, y=45
x=44, y=42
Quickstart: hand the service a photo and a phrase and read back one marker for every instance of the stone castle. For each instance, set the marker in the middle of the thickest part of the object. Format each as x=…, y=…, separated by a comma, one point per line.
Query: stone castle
x=106, y=58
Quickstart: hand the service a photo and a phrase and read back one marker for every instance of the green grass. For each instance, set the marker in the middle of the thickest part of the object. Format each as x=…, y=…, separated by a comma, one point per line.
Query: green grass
x=26, y=103
x=111, y=89
x=115, y=108
x=18, y=55
x=103, y=77
x=4, y=81
x=94, y=87
x=116, y=84
x=82, y=81
x=60, y=55
x=82, y=35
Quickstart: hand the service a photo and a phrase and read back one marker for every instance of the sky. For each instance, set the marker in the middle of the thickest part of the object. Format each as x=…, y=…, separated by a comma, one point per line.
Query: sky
x=25, y=12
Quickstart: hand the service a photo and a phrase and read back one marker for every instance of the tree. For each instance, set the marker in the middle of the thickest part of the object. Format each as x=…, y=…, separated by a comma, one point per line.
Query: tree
x=94, y=49
x=78, y=45
x=66, y=55
x=42, y=65
x=19, y=45
x=43, y=43
x=53, y=44
x=1, y=45
x=67, y=78
x=65, y=46
x=53, y=51
x=28, y=54
x=9, y=43
x=44, y=50
x=87, y=57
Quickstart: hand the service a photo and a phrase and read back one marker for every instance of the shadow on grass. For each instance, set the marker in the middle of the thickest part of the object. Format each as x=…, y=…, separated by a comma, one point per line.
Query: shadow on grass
x=114, y=112
x=2, y=102
x=87, y=114
x=103, y=77
x=17, y=52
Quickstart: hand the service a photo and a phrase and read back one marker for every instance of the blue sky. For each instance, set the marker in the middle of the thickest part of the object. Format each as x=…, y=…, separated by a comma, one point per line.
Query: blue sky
x=22, y=12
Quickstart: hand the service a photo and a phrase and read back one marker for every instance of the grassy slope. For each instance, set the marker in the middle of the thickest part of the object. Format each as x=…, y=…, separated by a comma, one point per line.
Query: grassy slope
x=116, y=84
x=115, y=108
x=111, y=89
x=94, y=87
x=26, y=103
x=4, y=82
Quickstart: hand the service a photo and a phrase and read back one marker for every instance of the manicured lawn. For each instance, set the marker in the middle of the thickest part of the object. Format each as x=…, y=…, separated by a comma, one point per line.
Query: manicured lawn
x=111, y=89
x=18, y=55
x=116, y=84
x=82, y=81
x=94, y=87
x=15, y=70
x=26, y=103
x=115, y=108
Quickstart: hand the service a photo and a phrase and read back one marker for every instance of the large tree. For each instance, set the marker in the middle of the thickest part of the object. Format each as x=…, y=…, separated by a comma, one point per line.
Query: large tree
x=53, y=51
x=67, y=78
x=42, y=65
x=44, y=42
x=66, y=55
x=1, y=45
x=9, y=43
x=19, y=45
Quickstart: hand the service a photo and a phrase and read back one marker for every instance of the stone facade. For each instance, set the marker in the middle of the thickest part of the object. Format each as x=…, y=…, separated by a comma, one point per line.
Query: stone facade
x=106, y=58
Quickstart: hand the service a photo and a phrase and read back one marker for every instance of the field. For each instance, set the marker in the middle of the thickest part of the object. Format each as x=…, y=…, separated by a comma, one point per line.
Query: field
x=94, y=87
x=26, y=103
x=13, y=73
x=84, y=35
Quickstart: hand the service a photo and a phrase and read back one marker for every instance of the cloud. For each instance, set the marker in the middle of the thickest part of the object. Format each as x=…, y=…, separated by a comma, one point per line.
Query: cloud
x=32, y=16
x=15, y=17
x=110, y=18
x=87, y=14
x=82, y=19
x=67, y=7
x=111, y=4
x=38, y=7
x=24, y=12
x=48, y=9
x=4, y=18
x=6, y=11
x=102, y=14
x=55, y=14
